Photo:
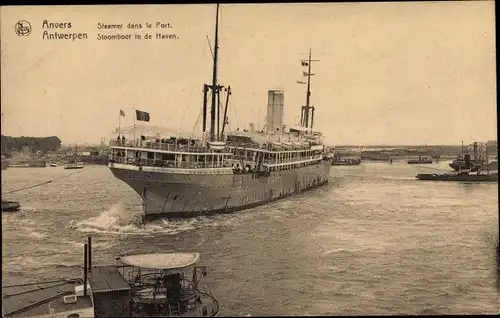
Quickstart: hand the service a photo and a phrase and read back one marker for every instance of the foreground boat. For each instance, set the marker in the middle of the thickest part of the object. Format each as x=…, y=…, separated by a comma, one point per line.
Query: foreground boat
x=225, y=172
x=142, y=285
x=10, y=206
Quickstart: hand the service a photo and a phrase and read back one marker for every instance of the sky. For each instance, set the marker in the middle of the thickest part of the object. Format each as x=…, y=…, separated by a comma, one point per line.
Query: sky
x=389, y=73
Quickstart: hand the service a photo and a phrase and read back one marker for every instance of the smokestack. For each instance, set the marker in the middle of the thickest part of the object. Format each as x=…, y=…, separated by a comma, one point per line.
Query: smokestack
x=85, y=269
x=89, y=252
x=275, y=99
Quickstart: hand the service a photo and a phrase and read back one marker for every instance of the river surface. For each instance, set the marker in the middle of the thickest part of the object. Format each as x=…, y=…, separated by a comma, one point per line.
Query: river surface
x=373, y=241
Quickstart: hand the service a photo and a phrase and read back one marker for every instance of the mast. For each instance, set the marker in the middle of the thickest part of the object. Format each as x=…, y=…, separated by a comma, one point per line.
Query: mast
x=308, y=96
x=308, y=109
x=486, y=151
x=214, y=78
x=205, y=97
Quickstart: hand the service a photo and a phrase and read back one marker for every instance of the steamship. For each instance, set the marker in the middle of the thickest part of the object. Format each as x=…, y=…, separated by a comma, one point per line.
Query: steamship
x=224, y=172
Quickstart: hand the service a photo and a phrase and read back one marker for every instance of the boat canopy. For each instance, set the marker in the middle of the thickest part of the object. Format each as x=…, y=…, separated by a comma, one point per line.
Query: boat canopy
x=164, y=261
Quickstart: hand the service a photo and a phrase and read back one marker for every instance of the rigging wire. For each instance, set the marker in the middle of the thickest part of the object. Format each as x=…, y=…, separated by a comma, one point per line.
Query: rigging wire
x=42, y=282
x=35, y=289
x=43, y=183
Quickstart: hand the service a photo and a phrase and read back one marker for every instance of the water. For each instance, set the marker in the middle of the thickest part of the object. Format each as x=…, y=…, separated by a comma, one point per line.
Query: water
x=373, y=241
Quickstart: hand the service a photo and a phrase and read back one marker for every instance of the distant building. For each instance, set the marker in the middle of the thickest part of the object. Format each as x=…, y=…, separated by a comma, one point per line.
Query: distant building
x=491, y=143
x=30, y=144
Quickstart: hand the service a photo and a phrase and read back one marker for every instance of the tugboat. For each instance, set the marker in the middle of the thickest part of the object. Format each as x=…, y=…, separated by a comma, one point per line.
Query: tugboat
x=142, y=285
x=462, y=175
x=420, y=160
x=460, y=162
x=10, y=206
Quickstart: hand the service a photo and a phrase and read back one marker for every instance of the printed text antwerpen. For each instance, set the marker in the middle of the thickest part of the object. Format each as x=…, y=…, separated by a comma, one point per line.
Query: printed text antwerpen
x=54, y=30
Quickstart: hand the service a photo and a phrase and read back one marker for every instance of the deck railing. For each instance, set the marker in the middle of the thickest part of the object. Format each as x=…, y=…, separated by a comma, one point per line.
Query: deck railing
x=197, y=148
x=169, y=163
x=148, y=144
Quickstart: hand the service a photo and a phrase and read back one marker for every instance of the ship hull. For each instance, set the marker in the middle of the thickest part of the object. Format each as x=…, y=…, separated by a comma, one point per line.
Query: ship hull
x=437, y=177
x=175, y=195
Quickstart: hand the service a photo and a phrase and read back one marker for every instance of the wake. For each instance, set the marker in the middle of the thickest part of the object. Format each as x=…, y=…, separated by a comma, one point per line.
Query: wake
x=119, y=220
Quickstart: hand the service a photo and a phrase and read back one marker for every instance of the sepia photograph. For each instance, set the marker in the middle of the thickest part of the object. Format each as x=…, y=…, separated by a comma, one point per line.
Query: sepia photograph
x=251, y=159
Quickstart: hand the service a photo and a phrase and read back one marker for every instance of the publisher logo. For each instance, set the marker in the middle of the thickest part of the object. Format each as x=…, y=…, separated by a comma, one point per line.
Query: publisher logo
x=22, y=28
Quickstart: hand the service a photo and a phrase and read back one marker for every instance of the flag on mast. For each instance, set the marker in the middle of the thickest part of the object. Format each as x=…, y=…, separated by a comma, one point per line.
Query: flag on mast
x=305, y=64
x=122, y=113
x=141, y=115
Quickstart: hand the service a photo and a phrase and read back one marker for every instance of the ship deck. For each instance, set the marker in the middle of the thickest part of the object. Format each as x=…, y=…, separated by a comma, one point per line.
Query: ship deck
x=107, y=278
x=40, y=299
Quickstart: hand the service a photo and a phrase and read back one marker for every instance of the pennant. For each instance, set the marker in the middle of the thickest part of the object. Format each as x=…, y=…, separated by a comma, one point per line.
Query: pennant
x=305, y=64
x=122, y=113
x=306, y=74
x=142, y=116
x=300, y=82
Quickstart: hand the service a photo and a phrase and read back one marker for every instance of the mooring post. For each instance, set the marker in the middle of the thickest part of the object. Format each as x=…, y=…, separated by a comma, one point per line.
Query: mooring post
x=85, y=269
x=89, y=248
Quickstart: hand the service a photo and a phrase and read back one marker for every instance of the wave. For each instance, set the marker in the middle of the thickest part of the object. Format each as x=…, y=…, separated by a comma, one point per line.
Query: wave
x=119, y=220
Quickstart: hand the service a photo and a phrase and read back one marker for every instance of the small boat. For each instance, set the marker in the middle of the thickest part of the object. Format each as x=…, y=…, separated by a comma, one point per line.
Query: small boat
x=5, y=164
x=53, y=164
x=420, y=160
x=141, y=285
x=74, y=165
x=338, y=161
x=73, y=162
x=10, y=206
x=376, y=158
